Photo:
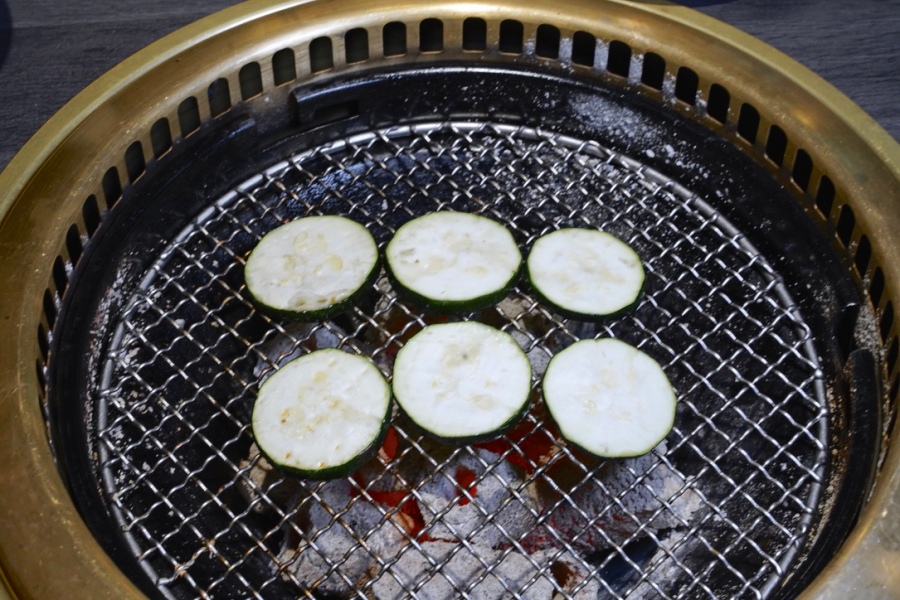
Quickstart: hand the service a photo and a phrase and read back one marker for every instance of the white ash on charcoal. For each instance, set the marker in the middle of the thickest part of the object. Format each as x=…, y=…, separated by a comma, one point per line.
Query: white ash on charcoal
x=629, y=499
x=265, y=487
x=450, y=515
x=571, y=573
x=462, y=570
x=341, y=541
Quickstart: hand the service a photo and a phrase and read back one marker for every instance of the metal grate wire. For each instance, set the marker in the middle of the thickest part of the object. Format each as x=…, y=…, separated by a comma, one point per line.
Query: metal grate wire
x=720, y=509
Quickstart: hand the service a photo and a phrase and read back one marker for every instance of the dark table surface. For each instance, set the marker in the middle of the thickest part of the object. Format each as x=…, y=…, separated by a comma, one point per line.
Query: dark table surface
x=50, y=49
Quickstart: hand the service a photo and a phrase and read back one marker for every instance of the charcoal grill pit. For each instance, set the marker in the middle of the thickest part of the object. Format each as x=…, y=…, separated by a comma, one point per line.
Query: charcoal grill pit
x=771, y=315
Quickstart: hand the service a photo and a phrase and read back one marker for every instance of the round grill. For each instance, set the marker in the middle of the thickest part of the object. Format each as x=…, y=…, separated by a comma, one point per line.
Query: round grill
x=718, y=509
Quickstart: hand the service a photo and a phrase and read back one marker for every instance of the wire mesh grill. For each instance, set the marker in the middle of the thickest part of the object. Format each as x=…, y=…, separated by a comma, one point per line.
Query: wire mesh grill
x=719, y=509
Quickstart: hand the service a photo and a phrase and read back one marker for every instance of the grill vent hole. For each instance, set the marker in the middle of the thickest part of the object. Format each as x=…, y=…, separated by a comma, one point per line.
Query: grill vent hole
x=825, y=196
x=748, y=123
x=887, y=320
x=431, y=35
x=284, y=66
x=321, y=57
x=39, y=367
x=802, y=169
x=49, y=308
x=43, y=343
x=876, y=288
x=219, y=97
x=394, y=39
x=654, y=71
x=474, y=34
x=188, y=116
x=863, y=254
x=356, y=45
x=776, y=145
x=60, y=277
x=584, y=48
x=250, y=77
x=73, y=244
x=161, y=137
x=845, y=224
x=619, y=62
x=112, y=187
x=547, y=44
x=134, y=161
x=717, y=104
x=512, y=34
x=686, y=85
x=90, y=212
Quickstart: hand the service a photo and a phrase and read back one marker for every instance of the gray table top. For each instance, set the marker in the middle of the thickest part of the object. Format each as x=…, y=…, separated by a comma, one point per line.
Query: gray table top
x=50, y=50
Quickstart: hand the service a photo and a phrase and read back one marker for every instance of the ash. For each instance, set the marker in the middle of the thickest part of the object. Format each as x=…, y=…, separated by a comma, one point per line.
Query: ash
x=518, y=517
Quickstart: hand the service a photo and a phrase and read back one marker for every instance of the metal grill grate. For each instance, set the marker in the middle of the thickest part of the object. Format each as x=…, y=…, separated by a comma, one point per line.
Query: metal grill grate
x=720, y=509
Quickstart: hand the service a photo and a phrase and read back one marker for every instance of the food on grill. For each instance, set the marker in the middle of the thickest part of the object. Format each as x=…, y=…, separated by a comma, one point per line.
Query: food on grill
x=609, y=398
x=452, y=261
x=585, y=273
x=312, y=267
x=462, y=382
x=323, y=414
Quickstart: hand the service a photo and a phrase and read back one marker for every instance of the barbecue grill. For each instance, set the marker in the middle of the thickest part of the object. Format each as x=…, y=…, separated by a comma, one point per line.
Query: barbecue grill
x=762, y=203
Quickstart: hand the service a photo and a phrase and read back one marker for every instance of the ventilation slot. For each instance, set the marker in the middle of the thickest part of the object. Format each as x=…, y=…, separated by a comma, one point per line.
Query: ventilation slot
x=431, y=35
x=825, y=197
x=321, y=57
x=653, y=71
x=73, y=244
x=748, y=123
x=43, y=343
x=219, y=97
x=188, y=116
x=584, y=49
x=474, y=34
x=134, y=161
x=49, y=308
x=112, y=187
x=547, y=45
x=161, y=137
x=863, y=254
x=776, y=145
x=892, y=355
x=717, y=105
x=284, y=66
x=802, y=170
x=394, y=39
x=876, y=288
x=90, y=212
x=356, y=45
x=845, y=224
x=619, y=62
x=512, y=34
x=60, y=277
x=250, y=78
x=686, y=85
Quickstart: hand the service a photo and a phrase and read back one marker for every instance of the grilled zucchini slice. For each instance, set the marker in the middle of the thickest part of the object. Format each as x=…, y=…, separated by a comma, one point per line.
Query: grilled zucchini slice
x=462, y=382
x=322, y=415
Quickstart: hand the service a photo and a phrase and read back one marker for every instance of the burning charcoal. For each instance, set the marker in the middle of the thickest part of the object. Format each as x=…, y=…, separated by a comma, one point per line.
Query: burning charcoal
x=334, y=559
x=491, y=494
x=418, y=570
x=624, y=501
x=261, y=479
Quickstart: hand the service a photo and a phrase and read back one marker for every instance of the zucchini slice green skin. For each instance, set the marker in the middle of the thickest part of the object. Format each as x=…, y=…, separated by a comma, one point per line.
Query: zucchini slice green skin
x=463, y=382
x=609, y=398
x=312, y=268
x=451, y=262
x=323, y=415
x=585, y=274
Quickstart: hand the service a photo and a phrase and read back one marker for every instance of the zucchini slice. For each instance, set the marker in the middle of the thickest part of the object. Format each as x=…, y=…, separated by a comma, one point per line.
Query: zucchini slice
x=609, y=398
x=462, y=382
x=322, y=415
x=312, y=267
x=453, y=262
x=585, y=273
